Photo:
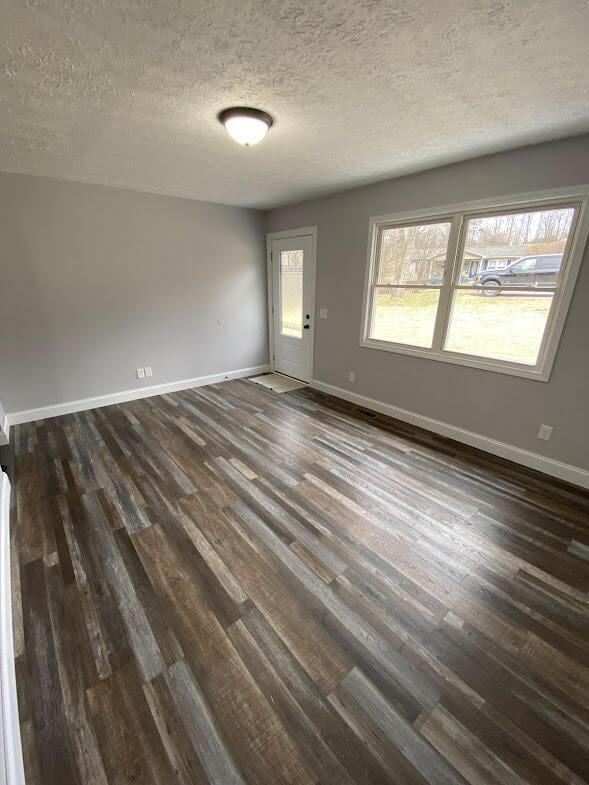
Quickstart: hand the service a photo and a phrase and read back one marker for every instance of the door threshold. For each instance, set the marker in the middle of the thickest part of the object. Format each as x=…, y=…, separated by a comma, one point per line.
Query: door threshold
x=278, y=382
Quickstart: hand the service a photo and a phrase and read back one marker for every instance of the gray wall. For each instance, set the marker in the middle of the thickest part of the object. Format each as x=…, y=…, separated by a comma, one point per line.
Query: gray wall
x=95, y=282
x=503, y=407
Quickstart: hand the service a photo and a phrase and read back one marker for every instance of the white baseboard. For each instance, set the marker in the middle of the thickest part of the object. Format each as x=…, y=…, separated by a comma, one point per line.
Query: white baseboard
x=55, y=410
x=564, y=471
x=4, y=430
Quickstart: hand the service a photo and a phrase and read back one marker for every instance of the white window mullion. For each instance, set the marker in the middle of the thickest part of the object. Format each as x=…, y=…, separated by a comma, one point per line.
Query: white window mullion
x=453, y=263
x=556, y=293
x=372, y=306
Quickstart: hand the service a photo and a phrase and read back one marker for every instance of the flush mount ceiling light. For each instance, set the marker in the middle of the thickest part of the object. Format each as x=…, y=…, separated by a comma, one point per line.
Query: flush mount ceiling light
x=246, y=125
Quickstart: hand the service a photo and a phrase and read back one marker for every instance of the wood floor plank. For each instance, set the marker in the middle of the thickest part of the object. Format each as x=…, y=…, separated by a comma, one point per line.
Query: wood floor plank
x=130, y=745
x=47, y=701
x=173, y=733
x=412, y=745
x=72, y=680
x=192, y=706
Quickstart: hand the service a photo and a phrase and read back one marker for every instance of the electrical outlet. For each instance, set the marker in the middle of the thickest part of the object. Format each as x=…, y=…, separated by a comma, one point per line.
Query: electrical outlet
x=323, y=313
x=545, y=432
x=141, y=373
x=352, y=376
x=148, y=371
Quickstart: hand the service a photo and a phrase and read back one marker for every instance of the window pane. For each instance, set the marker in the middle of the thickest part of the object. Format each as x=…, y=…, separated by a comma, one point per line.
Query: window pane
x=291, y=293
x=516, y=249
x=405, y=316
x=508, y=328
x=413, y=254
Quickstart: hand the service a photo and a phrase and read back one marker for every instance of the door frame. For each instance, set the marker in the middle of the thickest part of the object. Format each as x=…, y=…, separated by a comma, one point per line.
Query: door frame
x=288, y=234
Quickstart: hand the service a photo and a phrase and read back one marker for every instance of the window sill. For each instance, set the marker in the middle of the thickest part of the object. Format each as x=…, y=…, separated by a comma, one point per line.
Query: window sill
x=497, y=366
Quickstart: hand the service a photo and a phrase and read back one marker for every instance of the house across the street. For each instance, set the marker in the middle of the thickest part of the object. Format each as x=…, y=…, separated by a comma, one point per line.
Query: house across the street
x=490, y=257
x=485, y=258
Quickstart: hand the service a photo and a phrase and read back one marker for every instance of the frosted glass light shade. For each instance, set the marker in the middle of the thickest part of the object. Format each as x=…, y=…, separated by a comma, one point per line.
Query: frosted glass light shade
x=246, y=125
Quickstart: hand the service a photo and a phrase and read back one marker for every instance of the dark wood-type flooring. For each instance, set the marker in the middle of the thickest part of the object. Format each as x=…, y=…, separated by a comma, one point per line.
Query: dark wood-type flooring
x=230, y=586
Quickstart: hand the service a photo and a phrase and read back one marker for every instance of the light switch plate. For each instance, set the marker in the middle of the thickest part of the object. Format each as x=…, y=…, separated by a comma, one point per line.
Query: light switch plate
x=141, y=373
x=323, y=313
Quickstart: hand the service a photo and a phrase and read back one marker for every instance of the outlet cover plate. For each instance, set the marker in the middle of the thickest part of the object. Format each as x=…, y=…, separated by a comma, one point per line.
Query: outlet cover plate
x=545, y=432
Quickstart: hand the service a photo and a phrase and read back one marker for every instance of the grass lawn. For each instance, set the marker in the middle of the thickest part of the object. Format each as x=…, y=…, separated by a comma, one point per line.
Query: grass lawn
x=507, y=327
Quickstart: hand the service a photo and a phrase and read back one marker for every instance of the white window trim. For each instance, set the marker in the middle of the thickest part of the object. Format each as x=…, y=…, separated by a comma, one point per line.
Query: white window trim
x=457, y=212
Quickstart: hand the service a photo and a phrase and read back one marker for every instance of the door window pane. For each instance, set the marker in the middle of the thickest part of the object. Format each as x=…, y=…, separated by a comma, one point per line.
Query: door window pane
x=291, y=293
x=413, y=254
x=503, y=250
x=405, y=315
x=509, y=327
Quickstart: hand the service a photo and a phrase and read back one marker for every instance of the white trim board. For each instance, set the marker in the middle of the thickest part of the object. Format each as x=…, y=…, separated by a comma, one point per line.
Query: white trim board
x=4, y=430
x=546, y=194
x=68, y=407
x=563, y=471
x=11, y=762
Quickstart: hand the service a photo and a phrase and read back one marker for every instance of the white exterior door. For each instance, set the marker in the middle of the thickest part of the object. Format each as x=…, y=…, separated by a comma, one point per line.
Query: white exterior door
x=293, y=293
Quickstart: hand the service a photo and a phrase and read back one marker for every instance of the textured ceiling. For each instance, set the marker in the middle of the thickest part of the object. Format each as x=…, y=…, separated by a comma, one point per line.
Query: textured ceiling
x=126, y=92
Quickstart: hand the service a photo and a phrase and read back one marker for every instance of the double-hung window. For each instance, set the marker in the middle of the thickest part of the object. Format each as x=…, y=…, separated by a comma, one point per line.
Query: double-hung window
x=481, y=285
